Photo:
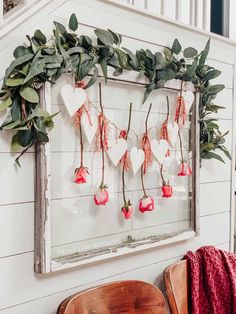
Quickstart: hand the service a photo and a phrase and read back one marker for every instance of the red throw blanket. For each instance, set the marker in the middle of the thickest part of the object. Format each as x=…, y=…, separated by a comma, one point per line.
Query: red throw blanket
x=212, y=281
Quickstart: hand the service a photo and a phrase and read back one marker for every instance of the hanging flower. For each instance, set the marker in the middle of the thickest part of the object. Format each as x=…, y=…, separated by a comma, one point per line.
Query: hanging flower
x=166, y=188
x=180, y=111
x=164, y=135
x=80, y=84
x=81, y=175
x=167, y=191
x=101, y=196
x=146, y=204
x=125, y=161
x=127, y=210
x=184, y=170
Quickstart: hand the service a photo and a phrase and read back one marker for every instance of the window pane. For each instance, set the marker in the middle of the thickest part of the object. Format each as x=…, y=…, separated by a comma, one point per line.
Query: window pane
x=8, y=5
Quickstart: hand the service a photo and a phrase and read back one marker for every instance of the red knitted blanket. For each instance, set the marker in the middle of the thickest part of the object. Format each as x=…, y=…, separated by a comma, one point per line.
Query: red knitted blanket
x=212, y=281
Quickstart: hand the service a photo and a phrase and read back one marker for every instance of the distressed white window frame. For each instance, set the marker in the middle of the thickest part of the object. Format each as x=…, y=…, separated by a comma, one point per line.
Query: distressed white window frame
x=44, y=263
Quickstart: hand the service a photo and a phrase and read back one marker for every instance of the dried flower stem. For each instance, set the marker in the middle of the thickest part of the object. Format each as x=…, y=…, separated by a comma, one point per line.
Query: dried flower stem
x=123, y=169
x=142, y=182
x=81, y=146
x=162, y=177
x=101, y=135
x=146, y=122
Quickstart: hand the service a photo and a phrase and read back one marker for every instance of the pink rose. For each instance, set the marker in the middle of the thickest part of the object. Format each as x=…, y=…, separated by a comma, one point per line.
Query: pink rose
x=184, y=170
x=146, y=204
x=80, y=175
x=127, y=210
x=101, y=196
x=167, y=191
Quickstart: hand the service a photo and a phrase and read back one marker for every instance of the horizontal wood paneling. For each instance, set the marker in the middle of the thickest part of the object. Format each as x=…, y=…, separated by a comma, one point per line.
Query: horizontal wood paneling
x=20, y=268
x=42, y=294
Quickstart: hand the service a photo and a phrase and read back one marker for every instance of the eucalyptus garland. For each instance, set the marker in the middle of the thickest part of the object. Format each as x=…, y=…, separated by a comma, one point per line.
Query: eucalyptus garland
x=45, y=60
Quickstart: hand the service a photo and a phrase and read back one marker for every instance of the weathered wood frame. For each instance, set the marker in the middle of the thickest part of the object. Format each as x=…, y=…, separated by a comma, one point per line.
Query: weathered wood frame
x=43, y=259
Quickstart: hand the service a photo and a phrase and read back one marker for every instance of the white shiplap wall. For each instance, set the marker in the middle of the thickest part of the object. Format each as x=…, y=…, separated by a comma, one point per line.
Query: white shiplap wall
x=21, y=290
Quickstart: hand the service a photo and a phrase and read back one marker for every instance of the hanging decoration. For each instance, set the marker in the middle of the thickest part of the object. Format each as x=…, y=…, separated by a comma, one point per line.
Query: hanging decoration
x=167, y=190
x=164, y=134
x=146, y=145
x=146, y=203
x=101, y=197
x=43, y=60
x=127, y=208
x=137, y=157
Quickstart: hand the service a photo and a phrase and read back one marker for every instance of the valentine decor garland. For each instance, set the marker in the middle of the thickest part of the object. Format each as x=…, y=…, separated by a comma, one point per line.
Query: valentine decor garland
x=66, y=52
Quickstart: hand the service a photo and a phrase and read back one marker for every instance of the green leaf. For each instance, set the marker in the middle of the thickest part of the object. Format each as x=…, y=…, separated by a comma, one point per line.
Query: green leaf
x=15, y=145
x=20, y=51
x=104, y=36
x=133, y=60
x=176, y=47
x=5, y=104
x=211, y=155
x=103, y=63
x=191, y=71
x=118, y=72
x=14, y=82
x=29, y=94
x=73, y=22
x=215, y=89
x=210, y=75
x=225, y=151
x=190, y=52
x=93, y=78
x=117, y=37
x=25, y=58
x=40, y=36
x=204, y=53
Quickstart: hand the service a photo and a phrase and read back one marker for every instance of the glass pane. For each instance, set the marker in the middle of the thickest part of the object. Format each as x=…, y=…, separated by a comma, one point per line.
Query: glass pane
x=8, y=5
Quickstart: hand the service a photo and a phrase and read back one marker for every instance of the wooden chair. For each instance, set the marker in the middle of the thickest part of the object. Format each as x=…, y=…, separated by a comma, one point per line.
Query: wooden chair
x=176, y=282
x=124, y=297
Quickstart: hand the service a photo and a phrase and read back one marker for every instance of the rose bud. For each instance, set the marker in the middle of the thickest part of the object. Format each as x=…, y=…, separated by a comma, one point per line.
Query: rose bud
x=184, y=170
x=101, y=196
x=146, y=204
x=127, y=210
x=80, y=175
x=167, y=191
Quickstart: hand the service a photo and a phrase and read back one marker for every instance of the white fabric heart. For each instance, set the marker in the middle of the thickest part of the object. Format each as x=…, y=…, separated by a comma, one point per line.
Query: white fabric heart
x=189, y=99
x=73, y=98
x=136, y=158
x=172, y=129
x=159, y=149
x=116, y=150
x=89, y=125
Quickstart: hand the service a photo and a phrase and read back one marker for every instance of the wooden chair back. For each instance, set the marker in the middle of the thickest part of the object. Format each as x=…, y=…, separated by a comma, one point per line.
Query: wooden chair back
x=176, y=282
x=124, y=297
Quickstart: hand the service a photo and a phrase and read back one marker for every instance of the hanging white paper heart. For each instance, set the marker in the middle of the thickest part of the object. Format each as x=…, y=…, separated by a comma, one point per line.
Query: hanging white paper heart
x=117, y=150
x=73, y=98
x=136, y=159
x=89, y=125
x=172, y=129
x=159, y=149
x=189, y=99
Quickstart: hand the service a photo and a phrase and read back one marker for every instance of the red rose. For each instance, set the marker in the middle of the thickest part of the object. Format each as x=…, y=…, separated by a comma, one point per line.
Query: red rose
x=146, y=204
x=127, y=210
x=184, y=170
x=101, y=197
x=80, y=175
x=167, y=191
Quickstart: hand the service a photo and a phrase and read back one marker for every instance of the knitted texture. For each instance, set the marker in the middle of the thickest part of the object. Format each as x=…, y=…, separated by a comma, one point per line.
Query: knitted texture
x=212, y=281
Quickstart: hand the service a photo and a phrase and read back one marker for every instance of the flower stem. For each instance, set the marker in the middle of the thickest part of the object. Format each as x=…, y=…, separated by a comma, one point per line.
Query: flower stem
x=162, y=177
x=168, y=108
x=181, y=146
x=146, y=122
x=181, y=88
x=101, y=135
x=142, y=181
x=123, y=169
x=81, y=145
